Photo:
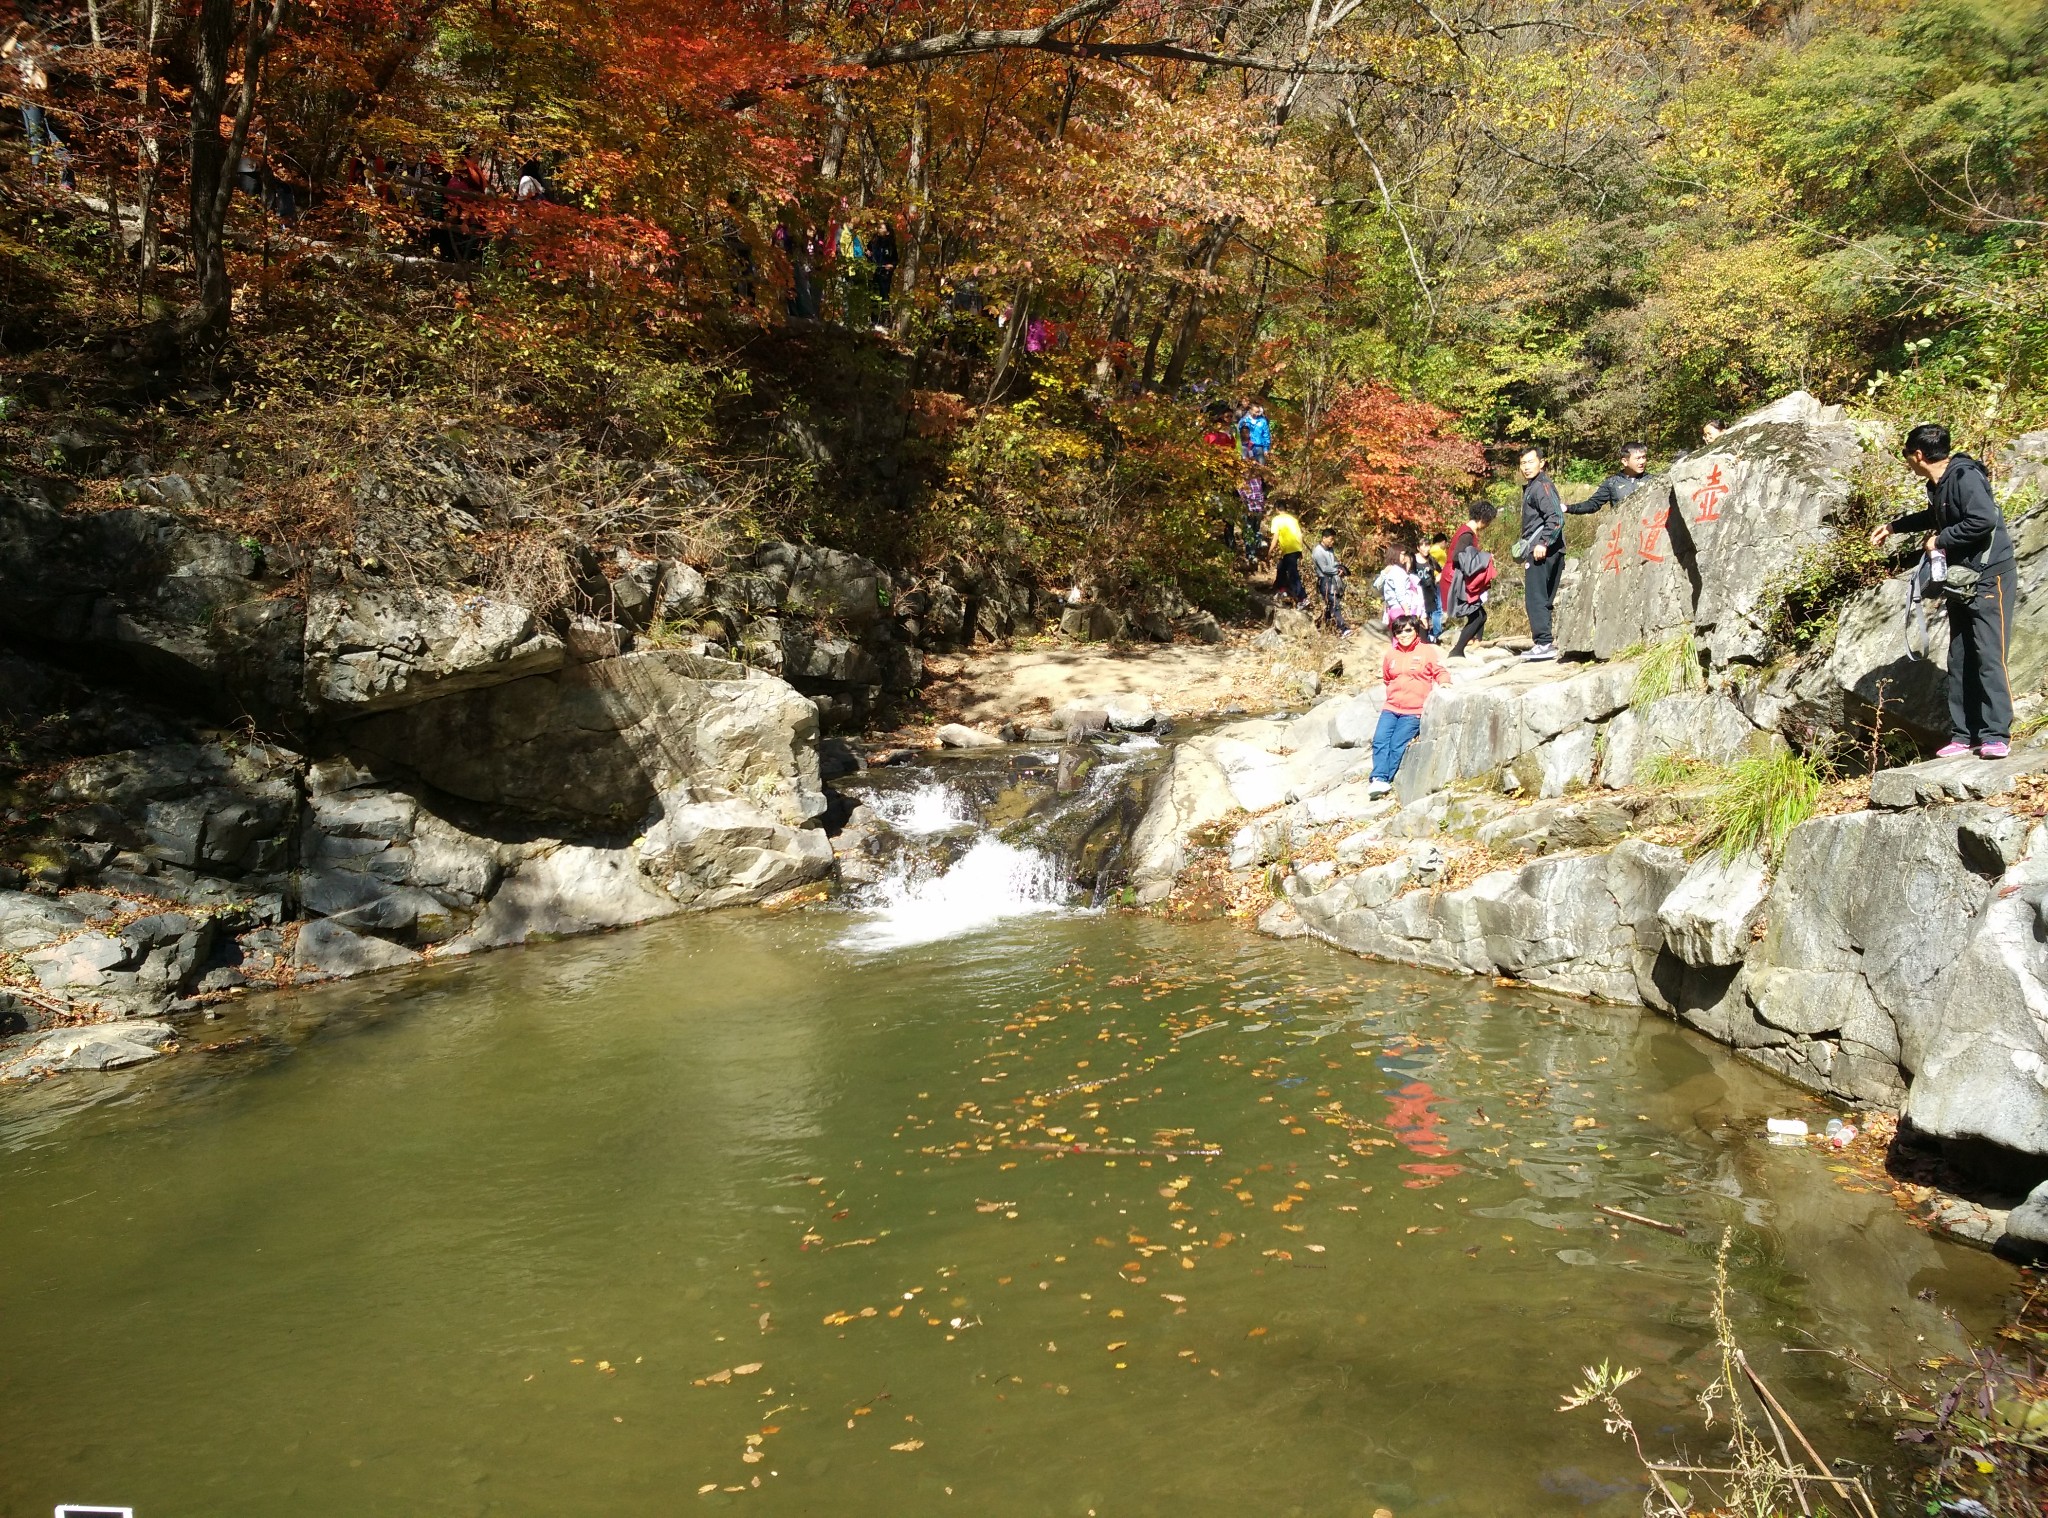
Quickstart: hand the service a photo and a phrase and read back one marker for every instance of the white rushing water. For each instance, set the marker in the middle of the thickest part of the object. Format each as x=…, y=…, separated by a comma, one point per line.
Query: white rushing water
x=992, y=882
x=923, y=811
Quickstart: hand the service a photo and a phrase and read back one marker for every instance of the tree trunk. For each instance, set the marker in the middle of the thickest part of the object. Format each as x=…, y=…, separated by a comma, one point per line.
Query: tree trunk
x=1013, y=342
x=213, y=158
x=1152, y=345
x=1191, y=321
x=1119, y=328
x=917, y=176
x=835, y=138
x=149, y=149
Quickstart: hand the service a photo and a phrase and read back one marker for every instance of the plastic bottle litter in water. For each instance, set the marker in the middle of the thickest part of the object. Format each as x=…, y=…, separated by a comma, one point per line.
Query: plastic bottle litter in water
x=1841, y=1134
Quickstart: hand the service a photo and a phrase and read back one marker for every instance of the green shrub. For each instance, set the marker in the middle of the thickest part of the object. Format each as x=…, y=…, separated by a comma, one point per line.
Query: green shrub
x=1669, y=668
x=1758, y=800
x=1672, y=768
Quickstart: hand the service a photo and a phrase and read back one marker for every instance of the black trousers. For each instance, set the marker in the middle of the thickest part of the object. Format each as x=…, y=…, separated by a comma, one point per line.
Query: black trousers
x=1539, y=590
x=1287, y=578
x=1474, y=626
x=1979, y=697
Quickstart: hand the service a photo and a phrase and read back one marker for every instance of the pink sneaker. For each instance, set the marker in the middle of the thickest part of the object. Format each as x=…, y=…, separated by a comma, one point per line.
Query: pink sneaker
x=1994, y=750
x=1952, y=751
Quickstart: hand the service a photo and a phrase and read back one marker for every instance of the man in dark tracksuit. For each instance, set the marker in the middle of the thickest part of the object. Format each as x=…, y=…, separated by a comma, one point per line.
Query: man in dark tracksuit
x=1969, y=528
x=1543, y=530
x=1616, y=488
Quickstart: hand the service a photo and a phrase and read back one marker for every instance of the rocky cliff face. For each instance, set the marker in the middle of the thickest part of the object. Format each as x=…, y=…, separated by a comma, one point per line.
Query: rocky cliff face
x=1895, y=955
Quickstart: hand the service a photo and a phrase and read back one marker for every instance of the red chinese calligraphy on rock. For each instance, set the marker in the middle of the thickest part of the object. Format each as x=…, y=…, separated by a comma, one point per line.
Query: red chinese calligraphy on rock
x=1653, y=527
x=1610, y=561
x=1706, y=501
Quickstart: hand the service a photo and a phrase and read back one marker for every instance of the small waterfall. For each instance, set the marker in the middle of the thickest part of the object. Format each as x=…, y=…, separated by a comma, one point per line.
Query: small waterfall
x=961, y=842
x=990, y=883
x=923, y=811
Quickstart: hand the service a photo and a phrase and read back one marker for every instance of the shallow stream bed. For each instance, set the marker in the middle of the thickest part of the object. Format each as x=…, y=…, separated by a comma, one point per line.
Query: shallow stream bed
x=1072, y=1215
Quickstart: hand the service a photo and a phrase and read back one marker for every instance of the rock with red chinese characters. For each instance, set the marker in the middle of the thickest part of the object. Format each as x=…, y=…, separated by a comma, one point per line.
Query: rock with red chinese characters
x=1632, y=588
x=1701, y=545
x=1753, y=504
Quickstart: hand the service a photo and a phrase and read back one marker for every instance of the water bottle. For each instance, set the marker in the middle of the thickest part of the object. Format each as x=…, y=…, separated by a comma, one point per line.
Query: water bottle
x=1937, y=565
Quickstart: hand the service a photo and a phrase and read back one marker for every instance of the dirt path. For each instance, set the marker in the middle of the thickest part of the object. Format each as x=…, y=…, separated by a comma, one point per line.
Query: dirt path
x=1182, y=679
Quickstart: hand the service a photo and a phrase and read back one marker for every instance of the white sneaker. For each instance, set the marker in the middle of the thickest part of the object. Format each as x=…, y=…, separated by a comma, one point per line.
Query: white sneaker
x=1377, y=788
x=1541, y=651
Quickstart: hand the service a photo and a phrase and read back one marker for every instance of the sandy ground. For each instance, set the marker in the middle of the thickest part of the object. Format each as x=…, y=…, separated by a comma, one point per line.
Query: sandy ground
x=1030, y=680
x=1182, y=679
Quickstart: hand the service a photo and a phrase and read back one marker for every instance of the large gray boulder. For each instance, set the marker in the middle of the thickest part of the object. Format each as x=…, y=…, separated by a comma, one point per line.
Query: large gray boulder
x=1865, y=668
x=1703, y=725
x=373, y=648
x=1476, y=727
x=1582, y=923
x=1633, y=588
x=1696, y=548
x=151, y=602
x=97, y=1046
x=2027, y=647
x=30, y=922
x=564, y=890
x=721, y=853
x=1195, y=794
x=1980, y=1055
x=1707, y=917
x=598, y=743
x=328, y=950
x=219, y=809
x=1870, y=913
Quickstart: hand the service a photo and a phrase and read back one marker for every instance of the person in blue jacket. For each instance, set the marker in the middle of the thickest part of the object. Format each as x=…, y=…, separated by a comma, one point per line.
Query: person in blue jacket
x=1255, y=429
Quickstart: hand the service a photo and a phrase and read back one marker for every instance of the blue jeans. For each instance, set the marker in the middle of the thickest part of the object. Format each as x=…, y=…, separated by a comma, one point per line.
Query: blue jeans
x=1390, y=742
x=36, y=122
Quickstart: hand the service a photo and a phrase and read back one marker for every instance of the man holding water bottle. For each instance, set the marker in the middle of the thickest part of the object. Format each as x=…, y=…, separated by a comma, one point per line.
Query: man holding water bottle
x=1970, y=553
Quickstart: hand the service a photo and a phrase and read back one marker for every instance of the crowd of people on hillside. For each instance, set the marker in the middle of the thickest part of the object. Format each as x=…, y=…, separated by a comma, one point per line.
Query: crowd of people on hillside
x=1967, y=563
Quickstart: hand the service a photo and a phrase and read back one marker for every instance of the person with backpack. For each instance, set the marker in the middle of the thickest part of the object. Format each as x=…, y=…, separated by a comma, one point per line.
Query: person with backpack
x=1467, y=576
x=1399, y=592
x=1540, y=550
x=1330, y=581
x=1969, y=553
x=1411, y=669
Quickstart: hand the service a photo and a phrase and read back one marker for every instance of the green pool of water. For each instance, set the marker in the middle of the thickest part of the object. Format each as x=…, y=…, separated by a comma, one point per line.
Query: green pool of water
x=580, y=1229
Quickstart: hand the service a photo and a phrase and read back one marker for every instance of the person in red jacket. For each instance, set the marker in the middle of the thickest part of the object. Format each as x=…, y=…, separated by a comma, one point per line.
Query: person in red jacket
x=1412, y=669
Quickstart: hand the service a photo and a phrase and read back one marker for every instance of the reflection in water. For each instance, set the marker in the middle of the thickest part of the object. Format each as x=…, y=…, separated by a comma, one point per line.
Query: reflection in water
x=581, y=1230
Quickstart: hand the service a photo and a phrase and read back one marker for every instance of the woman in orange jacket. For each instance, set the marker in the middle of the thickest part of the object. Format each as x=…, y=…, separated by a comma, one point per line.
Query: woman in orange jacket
x=1411, y=669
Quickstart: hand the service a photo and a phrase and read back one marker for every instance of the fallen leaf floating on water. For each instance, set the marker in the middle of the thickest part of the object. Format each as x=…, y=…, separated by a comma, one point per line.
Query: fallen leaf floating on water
x=908, y=1445
x=721, y=1377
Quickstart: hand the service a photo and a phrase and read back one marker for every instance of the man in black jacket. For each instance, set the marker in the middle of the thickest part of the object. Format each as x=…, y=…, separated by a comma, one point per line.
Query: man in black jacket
x=1543, y=553
x=1969, y=530
x=1616, y=488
